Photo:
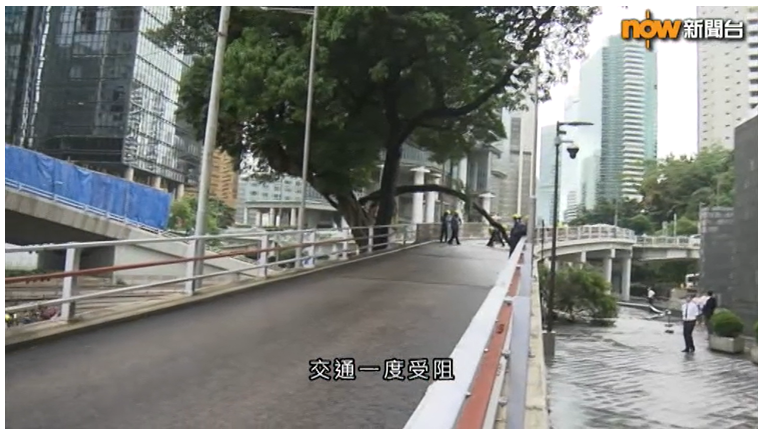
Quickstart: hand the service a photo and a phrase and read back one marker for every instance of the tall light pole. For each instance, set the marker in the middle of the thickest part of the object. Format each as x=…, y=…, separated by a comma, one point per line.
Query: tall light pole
x=211, y=132
x=307, y=132
x=309, y=107
x=533, y=173
x=573, y=149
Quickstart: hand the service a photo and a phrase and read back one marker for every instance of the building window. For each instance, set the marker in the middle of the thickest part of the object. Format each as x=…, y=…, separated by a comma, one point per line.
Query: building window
x=125, y=18
x=88, y=19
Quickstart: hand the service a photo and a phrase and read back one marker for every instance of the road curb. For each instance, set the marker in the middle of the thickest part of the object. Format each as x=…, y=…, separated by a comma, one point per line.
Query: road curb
x=57, y=330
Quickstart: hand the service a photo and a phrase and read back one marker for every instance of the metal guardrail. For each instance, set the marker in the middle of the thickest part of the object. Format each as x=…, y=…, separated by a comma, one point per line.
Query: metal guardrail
x=341, y=244
x=490, y=360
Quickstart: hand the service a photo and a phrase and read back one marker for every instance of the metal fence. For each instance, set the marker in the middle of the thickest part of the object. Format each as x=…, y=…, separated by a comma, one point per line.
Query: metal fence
x=265, y=257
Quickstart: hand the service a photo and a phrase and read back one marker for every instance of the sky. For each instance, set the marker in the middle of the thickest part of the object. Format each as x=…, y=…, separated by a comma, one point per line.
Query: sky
x=676, y=79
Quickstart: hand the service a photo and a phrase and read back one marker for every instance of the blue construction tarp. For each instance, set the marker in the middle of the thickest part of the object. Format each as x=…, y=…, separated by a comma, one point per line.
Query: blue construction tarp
x=94, y=192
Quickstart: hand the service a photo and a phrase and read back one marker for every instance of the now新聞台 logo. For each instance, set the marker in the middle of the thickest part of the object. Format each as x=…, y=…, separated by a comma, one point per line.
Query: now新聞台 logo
x=650, y=29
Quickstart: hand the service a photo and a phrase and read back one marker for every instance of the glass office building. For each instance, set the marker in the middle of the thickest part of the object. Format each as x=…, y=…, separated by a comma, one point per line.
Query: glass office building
x=24, y=33
x=106, y=96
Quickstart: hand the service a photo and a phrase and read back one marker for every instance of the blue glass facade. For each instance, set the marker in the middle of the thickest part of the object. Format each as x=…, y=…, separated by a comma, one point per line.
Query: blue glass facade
x=108, y=96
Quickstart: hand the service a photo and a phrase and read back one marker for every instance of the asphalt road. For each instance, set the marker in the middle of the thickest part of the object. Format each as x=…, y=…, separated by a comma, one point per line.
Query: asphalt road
x=243, y=361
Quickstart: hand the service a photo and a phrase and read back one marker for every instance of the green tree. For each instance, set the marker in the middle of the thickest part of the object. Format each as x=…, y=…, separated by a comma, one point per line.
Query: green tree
x=681, y=185
x=183, y=215
x=641, y=224
x=384, y=75
x=582, y=291
x=603, y=213
x=686, y=227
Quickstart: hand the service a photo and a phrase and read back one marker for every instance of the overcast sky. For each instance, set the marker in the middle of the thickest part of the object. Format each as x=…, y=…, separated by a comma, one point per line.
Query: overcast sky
x=677, y=79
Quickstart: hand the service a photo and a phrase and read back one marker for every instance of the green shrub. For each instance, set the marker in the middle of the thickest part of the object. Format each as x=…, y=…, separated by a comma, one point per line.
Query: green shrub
x=726, y=324
x=755, y=329
x=584, y=290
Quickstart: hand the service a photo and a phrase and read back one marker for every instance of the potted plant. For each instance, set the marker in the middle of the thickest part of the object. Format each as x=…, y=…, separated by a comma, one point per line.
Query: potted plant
x=727, y=331
x=754, y=348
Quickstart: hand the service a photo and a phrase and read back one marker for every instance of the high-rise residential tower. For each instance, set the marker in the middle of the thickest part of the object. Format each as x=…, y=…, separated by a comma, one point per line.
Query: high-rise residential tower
x=547, y=168
x=618, y=94
x=727, y=77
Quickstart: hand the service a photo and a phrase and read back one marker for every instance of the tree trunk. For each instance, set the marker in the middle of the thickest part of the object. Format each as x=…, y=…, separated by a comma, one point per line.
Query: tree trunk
x=387, y=193
x=357, y=218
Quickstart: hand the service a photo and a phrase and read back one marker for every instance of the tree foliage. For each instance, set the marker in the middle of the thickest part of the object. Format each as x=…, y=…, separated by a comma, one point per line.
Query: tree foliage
x=681, y=185
x=581, y=291
x=675, y=187
x=434, y=76
x=183, y=215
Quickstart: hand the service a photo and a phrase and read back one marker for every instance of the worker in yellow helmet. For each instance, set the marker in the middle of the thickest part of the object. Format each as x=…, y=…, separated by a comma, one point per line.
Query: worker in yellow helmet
x=495, y=235
x=8, y=319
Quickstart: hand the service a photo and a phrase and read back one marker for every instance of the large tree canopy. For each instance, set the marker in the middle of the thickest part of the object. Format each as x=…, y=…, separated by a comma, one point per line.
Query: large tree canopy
x=674, y=187
x=436, y=76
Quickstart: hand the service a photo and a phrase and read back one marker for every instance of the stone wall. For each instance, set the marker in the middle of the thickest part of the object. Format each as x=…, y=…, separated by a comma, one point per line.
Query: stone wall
x=744, y=292
x=717, y=252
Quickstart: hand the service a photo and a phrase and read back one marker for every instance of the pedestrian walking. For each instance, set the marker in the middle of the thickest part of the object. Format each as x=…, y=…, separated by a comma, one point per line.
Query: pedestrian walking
x=708, y=309
x=455, y=223
x=689, y=313
x=444, y=236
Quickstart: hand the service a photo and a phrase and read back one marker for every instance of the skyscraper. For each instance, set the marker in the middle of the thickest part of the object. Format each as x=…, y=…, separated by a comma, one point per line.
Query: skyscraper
x=727, y=77
x=91, y=87
x=618, y=94
x=547, y=168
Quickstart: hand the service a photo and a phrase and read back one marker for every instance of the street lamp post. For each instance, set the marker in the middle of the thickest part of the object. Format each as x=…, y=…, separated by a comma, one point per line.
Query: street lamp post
x=211, y=132
x=309, y=107
x=572, y=150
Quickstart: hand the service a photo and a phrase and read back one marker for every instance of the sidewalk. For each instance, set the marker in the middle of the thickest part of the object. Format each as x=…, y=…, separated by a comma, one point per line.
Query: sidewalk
x=634, y=375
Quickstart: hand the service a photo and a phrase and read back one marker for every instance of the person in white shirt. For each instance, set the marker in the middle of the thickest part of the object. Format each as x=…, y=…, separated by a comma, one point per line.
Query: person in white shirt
x=650, y=296
x=689, y=313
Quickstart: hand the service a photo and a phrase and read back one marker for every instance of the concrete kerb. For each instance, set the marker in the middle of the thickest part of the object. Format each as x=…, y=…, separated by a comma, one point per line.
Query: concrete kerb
x=22, y=337
x=536, y=409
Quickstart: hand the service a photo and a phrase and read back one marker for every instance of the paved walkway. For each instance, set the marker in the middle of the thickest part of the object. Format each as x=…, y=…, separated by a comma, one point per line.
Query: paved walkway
x=243, y=361
x=634, y=375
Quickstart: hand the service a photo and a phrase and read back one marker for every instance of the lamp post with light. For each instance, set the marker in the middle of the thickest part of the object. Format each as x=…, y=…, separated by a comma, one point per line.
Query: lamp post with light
x=572, y=149
x=211, y=131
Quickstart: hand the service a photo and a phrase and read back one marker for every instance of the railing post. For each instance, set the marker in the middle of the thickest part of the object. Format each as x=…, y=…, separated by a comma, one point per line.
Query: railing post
x=263, y=256
x=312, y=238
x=370, y=238
x=404, y=234
x=189, y=285
x=347, y=234
x=69, y=287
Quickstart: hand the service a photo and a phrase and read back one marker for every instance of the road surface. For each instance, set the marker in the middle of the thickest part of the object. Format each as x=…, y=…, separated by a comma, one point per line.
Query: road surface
x=243, y=361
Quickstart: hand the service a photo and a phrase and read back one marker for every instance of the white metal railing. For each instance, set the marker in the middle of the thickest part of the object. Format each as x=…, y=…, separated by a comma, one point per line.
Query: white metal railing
x=490, y=360
x=609, y=232
x=669, y=241
x=338, y=244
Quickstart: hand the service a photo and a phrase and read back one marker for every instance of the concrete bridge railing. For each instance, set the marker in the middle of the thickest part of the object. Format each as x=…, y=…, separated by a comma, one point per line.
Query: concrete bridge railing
x=609, y=232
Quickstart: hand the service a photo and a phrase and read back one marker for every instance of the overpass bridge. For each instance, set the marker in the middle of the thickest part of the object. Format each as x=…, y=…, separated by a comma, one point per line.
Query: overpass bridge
x=53, y=201
x=411, y=336
x=603, y=245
